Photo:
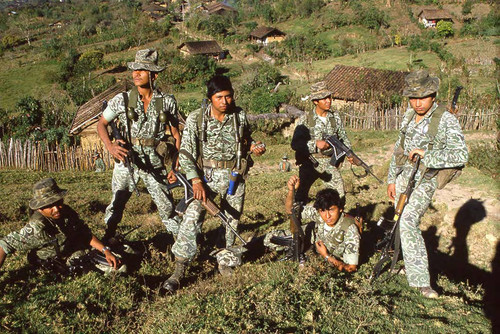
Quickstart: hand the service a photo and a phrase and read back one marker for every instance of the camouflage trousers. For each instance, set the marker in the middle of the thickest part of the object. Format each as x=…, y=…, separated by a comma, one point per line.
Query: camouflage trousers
x=122, y=188
x=412, y=242
x=327, y=173
x=232, y=205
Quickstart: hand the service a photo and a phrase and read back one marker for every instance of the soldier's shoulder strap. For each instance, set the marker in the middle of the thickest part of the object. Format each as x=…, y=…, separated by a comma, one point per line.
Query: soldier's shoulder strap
x=331, y=119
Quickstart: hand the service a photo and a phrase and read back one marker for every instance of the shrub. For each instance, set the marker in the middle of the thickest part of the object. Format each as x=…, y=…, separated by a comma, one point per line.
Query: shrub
x=485, y=157
x=445, y=29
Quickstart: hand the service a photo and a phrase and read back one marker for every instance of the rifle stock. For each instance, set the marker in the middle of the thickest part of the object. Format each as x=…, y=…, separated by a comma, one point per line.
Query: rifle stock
x=209, y=205
x=340, y=147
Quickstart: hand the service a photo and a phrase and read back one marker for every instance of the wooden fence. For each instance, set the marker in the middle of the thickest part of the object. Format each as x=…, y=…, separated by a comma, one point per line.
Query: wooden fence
x=390, y=119
x=40, y=156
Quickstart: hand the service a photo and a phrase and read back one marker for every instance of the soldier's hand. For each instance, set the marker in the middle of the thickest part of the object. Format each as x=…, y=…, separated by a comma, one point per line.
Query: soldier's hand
x=321, y=248
x=293, y=183
x=199, y=190
x=112, y=260
x=118, y=151
x=415, y=151
x=258, y=148
x=391, y=191
x=171, y=178
x=322, y=145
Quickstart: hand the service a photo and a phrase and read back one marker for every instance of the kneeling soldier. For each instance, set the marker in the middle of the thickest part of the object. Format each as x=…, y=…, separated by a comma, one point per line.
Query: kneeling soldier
x=55, y=234
x=335, y=235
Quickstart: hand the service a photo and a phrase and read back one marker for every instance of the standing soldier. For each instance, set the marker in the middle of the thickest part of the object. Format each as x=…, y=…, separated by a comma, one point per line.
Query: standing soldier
x=312, y=153
x=431, y=132
x=146, y=114
x=215, y=142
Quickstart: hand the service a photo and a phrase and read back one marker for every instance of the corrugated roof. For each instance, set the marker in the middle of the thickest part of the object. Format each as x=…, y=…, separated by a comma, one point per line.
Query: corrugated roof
x=435, y=14
x=90, y=110
x=202, y=47
x=262, y=32
x=361, y=84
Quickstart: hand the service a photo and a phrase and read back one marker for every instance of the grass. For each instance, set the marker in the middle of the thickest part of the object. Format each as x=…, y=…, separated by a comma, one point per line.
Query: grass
x=264, y=295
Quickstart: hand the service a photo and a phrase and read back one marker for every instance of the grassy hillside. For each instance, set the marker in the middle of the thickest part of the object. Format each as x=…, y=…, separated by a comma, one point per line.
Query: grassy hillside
x=264, y=295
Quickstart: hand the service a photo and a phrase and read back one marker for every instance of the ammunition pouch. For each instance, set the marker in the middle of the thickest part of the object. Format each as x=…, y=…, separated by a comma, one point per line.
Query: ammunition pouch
x=443, y=176
x=147, y=142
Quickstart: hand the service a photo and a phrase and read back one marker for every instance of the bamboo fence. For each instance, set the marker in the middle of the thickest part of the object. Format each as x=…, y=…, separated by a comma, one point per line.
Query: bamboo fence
x=40, y=156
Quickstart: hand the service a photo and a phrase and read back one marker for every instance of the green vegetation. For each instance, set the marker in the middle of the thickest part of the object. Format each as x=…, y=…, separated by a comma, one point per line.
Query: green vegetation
x=264, y=295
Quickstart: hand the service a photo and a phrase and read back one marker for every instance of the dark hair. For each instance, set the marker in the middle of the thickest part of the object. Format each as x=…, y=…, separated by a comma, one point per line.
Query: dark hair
x=326, y=198
x=217, y=84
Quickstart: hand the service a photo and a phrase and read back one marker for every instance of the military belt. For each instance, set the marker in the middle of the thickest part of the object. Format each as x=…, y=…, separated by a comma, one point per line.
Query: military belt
x=319, y=155
x=218, y=163
x=150, y=142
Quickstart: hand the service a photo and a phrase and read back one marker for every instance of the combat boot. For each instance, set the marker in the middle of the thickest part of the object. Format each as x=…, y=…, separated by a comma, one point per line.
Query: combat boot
x=173, y=283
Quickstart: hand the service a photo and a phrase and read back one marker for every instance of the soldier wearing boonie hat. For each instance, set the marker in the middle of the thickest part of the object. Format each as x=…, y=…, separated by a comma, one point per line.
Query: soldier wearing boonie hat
x=145, y=114
x=443, y=150
x=312, y=153
x=54, y=232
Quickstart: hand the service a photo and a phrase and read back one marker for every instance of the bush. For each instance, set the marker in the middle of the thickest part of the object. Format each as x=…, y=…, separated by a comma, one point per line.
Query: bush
x=485, y=157
x=445, y=29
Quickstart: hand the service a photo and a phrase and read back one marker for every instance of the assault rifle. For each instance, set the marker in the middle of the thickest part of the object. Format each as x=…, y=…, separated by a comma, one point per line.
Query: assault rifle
x=129, y=157
x=391, y=242
x=453, y=107
x=209, y=205
x=295, y=242
x=340, y=150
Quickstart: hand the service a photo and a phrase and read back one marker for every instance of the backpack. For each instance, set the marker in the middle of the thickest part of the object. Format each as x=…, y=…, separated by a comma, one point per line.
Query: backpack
x=443, y=176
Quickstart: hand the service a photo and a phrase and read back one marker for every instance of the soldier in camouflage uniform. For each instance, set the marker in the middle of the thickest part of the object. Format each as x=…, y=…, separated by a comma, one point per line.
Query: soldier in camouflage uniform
x=208, y=155
x=54, y=233
x=149, y=113
x=335, y=235
x=312, y=153
x=447, y=150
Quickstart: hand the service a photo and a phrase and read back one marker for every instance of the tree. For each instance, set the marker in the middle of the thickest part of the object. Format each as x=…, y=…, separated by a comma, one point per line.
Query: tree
x=445, y=29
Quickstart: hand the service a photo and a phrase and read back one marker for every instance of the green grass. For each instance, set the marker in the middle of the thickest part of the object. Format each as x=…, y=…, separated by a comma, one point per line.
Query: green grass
x=264, y=295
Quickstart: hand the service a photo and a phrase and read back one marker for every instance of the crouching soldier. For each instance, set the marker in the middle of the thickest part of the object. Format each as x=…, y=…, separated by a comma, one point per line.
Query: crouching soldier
x=335, y=235
x=56, y=237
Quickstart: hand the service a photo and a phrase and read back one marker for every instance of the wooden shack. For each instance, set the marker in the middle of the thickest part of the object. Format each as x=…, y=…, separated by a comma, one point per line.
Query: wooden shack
x=265, y=35
x=85, y=121
x=429, y=17
x=205, y=48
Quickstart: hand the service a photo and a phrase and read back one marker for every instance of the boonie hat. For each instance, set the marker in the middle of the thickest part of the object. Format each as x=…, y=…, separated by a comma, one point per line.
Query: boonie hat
x=420, y=84
x=46, y=192
x=146, y=59
x=319, y=91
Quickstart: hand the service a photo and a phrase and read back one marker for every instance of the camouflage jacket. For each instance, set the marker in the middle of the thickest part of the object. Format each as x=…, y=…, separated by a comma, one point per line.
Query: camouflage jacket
x=449, y=149
x=305, y=135
x=344, y=245
x=221, y=140
x=50, y=238
x=147, y=125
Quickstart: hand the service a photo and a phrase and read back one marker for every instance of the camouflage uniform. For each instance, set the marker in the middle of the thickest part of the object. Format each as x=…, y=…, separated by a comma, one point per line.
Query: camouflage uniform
x=220, y=148
x=50, y=238
x=449, y=151
x=147, y=164
x=304, y=143
x=343, y=244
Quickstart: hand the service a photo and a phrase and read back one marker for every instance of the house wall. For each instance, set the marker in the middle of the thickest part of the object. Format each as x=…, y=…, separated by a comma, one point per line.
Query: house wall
x=271, y=39
x=89, y=139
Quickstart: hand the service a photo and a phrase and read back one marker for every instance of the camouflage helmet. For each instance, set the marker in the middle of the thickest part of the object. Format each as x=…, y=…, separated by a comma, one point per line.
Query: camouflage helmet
x=46, y=192
x=420, y=84
x=146, y=60
x=319, y=91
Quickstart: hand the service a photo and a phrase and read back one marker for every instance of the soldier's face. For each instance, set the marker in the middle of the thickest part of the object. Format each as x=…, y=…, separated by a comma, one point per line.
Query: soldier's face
x=141, y=78
x=330, y=216
x=422, y=105
x=324, y=104
x=52, y=211
x=222, y=101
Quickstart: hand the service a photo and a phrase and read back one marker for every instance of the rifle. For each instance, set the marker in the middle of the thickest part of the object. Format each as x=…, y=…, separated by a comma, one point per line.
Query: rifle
x=453, y=108
x=209, y=205
x=392, y=239
x=128, y=158
x=296, y=243
x=340, y=150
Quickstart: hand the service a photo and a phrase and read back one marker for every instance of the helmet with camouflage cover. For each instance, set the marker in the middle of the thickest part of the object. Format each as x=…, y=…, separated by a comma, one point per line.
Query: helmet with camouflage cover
x=420, y=84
